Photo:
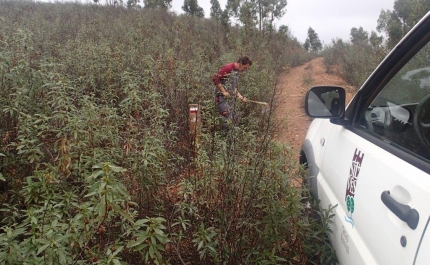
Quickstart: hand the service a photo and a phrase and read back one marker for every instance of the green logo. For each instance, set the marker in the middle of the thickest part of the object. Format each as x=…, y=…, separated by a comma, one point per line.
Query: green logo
x=350, y=203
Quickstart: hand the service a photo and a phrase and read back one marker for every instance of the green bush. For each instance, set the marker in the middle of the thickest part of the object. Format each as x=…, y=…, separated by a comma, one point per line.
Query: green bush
x=353, y=62
x=96, y=162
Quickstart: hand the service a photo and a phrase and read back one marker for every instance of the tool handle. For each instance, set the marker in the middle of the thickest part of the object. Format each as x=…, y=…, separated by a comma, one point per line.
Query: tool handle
x=258, y=102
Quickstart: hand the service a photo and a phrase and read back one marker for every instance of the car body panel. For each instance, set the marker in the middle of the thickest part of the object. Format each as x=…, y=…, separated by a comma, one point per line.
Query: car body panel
x=423, y=253
x=380, y=189
x=367, y=178
x=313, y=147
x=350, y=248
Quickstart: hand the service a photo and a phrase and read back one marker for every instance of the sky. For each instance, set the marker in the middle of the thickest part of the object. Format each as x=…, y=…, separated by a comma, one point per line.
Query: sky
x=330, y=19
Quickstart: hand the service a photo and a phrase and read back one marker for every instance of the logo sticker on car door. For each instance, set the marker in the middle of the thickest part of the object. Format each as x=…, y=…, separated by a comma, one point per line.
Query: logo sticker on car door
x=354, y=171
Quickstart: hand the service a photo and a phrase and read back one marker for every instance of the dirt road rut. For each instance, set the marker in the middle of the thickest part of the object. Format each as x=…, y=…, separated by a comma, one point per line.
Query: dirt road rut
x=291, y=90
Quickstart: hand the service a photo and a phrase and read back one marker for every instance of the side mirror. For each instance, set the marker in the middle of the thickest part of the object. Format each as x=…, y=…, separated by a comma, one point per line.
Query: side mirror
x=325, y=102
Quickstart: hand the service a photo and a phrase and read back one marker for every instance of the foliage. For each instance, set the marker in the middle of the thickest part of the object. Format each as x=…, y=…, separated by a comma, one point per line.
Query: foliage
x=354, y=61
x=359, y=36
x=395, y=24
x=263, y=221
x=312, y=43
x=261, y=13
x=65, y=223
x=216, y=11
x=375, y=40
x=192, y=7
x=96, y=158
x=157, y=4
x=269, y=10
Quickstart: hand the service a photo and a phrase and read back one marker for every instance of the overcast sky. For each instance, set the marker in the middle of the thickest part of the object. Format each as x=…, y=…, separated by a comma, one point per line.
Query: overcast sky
x=330, y=19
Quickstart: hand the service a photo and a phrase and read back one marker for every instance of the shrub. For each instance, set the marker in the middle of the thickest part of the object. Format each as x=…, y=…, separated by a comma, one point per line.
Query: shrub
x=96, y=158
x=353, y=62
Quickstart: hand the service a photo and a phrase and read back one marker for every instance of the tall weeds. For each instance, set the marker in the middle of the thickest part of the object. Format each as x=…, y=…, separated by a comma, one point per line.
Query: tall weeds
x=95, y=151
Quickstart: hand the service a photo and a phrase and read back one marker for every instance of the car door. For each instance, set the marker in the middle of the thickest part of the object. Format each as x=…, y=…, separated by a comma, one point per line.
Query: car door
x=378, y=167
x=423, y=255
x=370, y=174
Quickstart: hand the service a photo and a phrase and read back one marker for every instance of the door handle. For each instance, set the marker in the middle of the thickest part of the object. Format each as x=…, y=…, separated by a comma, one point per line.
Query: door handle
x=403, y=211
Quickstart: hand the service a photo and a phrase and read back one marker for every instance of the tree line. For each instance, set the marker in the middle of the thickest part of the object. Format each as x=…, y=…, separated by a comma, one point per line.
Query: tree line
x=355, y=59
x=250, y=13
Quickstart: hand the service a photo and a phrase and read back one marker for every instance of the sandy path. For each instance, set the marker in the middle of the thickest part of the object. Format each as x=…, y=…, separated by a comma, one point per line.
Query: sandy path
x=292, y=87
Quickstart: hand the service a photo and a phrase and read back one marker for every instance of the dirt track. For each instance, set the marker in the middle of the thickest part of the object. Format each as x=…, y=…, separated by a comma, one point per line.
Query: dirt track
x=292, y=87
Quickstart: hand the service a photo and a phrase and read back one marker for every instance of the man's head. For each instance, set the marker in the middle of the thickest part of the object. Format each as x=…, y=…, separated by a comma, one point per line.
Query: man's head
x=244, y=63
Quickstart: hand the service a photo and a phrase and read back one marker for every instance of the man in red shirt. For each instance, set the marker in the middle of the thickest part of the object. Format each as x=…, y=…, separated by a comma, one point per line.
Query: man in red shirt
x=226, y=82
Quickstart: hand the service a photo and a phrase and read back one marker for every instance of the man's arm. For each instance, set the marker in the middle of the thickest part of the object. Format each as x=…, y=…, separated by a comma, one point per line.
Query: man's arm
x=222, y=90
x=239, y=96
x=223, y=72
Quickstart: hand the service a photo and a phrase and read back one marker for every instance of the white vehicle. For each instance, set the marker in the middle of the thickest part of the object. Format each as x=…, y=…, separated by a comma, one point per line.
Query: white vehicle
x=372, y=159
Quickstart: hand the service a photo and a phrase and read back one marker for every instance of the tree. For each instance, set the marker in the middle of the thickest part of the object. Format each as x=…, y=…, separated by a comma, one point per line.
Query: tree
x=269, y=10
x=225, y=19
x=389, y=23
x=359, y=36
x=216, y=11
x=375, y=40
x=395, y=24
x=164, y=4
x=256, y=12
x=191, y=7
x=312, y=42
x=243, y=10
x=284, y=31
x=133, y=4
x=410, y=12
x=232, y=8
x=248, y=15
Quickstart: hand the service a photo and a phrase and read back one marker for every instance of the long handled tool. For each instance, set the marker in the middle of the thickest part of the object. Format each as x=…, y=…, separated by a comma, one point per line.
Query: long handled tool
x=265, y=106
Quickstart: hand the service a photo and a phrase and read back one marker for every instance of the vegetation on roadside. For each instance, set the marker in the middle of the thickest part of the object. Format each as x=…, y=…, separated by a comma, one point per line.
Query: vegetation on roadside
x=355, y=60
x=96, y=161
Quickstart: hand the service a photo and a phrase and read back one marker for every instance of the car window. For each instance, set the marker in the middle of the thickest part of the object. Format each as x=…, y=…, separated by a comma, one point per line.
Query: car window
x=400, y=113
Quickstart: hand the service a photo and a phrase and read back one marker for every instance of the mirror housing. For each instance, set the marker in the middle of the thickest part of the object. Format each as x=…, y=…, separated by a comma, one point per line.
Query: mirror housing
x=327, y=102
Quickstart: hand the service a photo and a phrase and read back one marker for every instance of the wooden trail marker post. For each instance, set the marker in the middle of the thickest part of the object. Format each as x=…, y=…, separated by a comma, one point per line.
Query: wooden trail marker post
x=195, y=125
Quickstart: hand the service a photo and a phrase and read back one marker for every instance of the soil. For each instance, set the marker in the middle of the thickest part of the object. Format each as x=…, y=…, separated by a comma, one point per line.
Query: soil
x=292, y=87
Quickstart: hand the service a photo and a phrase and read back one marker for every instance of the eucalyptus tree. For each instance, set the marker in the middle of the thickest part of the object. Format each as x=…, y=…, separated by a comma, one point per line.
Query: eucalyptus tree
x=284, y=31
x=242, y=10
x=232, y=8
x=248, y=14
x=359, y=36
x=406, y=13
x=133, y=4
x=158, y=3
x=269, y=10
x=220, y=15
x=375, y=40
x=312, y=42
x=191, y=7
x=390, y=24
x=216, y=11
x=257, y=12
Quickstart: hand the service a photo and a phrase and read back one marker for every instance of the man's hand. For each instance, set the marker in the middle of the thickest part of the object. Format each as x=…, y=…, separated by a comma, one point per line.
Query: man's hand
x=242, y=98
x=225, y=94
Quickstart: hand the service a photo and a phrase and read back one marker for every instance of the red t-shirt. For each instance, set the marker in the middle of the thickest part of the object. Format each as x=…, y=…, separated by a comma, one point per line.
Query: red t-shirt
x=222, y=75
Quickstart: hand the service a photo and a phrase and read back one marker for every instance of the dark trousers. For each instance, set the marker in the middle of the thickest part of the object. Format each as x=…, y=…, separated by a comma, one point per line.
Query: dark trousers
x=224, y=108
